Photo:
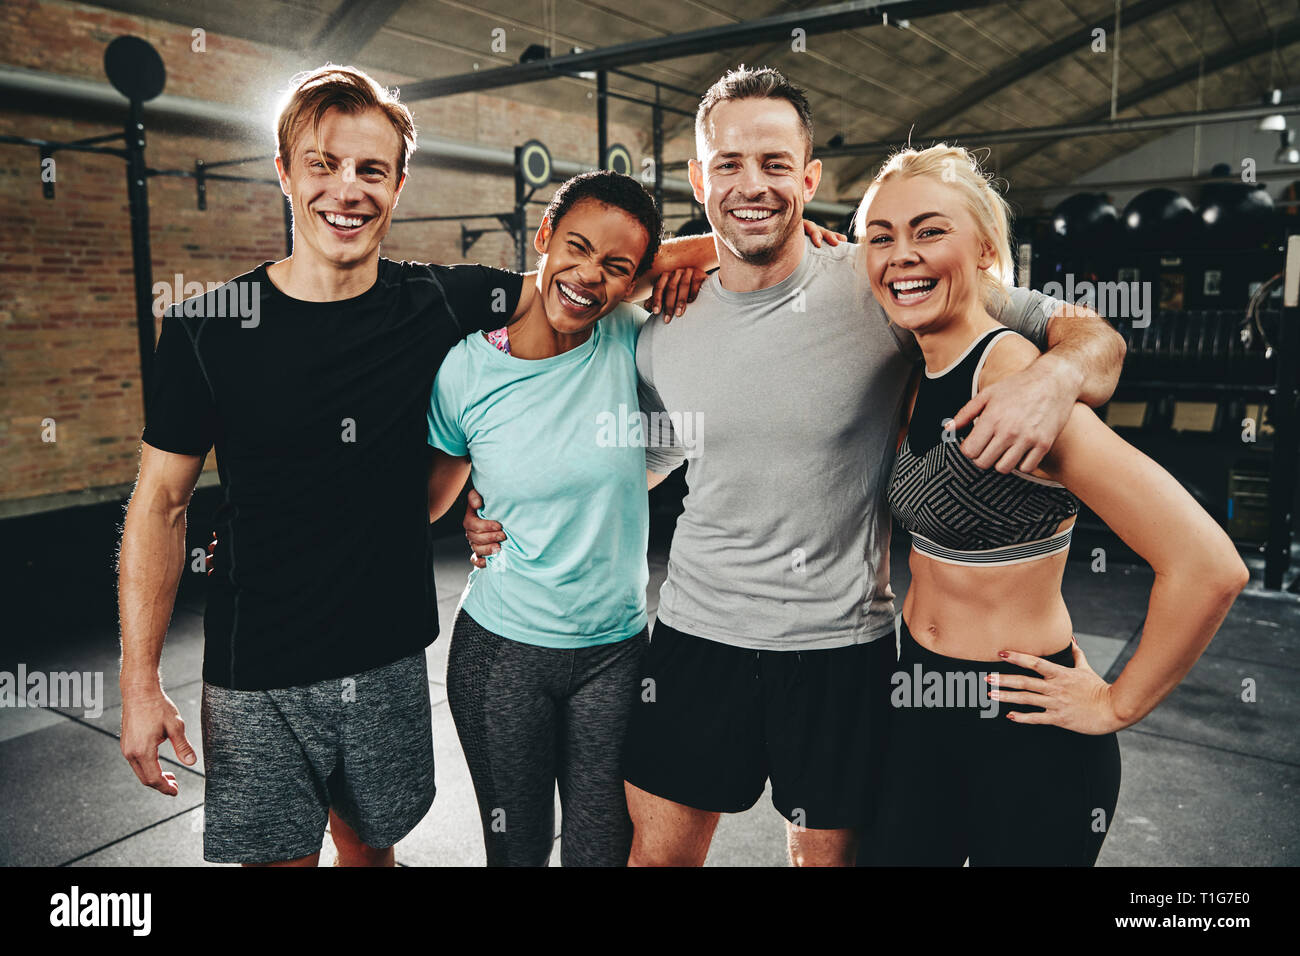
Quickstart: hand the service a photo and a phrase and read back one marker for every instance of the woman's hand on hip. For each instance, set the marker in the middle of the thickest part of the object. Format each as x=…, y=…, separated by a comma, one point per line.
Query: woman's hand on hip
x=1076, y=698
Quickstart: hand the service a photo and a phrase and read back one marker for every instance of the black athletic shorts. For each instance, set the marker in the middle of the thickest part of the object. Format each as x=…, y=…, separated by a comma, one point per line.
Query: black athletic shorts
x=713, y=722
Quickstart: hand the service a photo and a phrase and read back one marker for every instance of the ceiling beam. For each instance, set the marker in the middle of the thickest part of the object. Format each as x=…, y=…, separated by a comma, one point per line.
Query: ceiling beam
x=351, y=26
x=1017, y=69
x=849, y=15
x=763, y=54
x=1221, y=60
x=1105, y=127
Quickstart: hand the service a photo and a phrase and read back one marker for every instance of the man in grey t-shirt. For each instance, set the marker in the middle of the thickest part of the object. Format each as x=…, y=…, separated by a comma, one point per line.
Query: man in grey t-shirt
x=788, y=399
x=774, y=641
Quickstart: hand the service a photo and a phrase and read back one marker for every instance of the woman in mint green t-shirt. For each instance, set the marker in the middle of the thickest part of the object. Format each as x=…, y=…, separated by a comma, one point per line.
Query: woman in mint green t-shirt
x=546, y=647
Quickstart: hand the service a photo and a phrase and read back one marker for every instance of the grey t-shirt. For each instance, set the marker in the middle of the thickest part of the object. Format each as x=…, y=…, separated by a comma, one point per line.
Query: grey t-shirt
x=785, y=403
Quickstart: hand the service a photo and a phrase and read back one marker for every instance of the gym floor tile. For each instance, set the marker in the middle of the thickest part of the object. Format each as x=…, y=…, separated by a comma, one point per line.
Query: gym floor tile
x=177, y=841
x=66, y=792
x=1182, y=804
x=1207, y=708
x=1262, y=627
x=16, y=721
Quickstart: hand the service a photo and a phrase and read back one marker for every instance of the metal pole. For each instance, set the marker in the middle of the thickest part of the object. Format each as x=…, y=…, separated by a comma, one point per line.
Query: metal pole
x=658, y=127
x=137, y=191
x=1068, y=130
x=602, y=116
x=1114, y=66
x=832, y=18
x=521, y=214
x=1282, y=466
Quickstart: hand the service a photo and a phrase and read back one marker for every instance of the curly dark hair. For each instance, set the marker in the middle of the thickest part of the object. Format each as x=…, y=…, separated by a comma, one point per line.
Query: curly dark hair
x=616, y=190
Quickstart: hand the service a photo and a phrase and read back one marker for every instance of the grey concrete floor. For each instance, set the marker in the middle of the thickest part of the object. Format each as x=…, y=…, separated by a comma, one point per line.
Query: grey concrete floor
x=1208, y=779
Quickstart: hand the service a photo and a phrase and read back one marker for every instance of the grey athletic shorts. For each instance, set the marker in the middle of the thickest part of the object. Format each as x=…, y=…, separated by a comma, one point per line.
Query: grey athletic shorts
x=276, y=761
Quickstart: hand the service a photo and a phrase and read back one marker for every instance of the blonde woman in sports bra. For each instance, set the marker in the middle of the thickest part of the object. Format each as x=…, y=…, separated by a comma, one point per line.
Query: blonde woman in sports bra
x=1003, y=747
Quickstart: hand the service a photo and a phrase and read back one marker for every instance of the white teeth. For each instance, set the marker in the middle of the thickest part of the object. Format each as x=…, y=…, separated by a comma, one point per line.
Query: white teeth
x=347, y=221
x=574, y=297
x=752, y=213
x=912, y=290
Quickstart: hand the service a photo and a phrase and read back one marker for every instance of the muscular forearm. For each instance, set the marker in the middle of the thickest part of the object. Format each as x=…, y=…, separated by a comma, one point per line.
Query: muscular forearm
x=149, y=570
x=1085, y=353
x=1185, y=610
x=688, y=252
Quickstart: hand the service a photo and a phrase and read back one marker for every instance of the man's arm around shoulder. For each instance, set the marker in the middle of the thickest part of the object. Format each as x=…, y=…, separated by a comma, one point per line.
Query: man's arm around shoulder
x=1021, y=415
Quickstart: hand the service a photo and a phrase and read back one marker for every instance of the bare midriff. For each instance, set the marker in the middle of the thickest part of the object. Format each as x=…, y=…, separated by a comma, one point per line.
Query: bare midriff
x=972, y=613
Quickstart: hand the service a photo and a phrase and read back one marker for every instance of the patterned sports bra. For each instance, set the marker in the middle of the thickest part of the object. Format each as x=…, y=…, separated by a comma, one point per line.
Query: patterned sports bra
x=957, y=512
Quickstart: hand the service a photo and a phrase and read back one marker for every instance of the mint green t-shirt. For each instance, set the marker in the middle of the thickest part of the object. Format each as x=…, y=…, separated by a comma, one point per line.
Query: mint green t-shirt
x=557, y=452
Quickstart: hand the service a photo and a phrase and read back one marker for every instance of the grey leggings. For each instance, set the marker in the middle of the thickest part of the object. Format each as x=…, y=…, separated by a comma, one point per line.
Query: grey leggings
x=530, y=717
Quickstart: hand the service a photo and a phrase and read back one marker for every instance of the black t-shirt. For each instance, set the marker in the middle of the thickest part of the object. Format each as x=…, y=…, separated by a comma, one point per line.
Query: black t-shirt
x=317, y=413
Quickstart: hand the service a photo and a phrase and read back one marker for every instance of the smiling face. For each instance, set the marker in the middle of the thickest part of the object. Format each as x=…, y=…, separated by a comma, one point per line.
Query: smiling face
x=752, y=178
x=924, y=252
x=590, y=266
x=343, y=200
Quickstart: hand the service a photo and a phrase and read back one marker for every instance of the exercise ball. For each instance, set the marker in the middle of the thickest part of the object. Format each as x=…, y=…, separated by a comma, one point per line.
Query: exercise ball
x=1162, y=219
x=1237, y=215
x=1086, y=222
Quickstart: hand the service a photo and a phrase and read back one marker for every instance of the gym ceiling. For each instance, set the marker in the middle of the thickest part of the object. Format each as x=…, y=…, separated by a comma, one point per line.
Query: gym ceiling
x=934, y=68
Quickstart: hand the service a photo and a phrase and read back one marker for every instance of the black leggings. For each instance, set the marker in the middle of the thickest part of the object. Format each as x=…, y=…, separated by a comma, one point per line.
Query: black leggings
x=531, y=717
x=962, y=783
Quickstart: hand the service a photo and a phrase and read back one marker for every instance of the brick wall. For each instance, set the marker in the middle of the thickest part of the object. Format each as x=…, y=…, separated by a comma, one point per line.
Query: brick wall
x=67, y=327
